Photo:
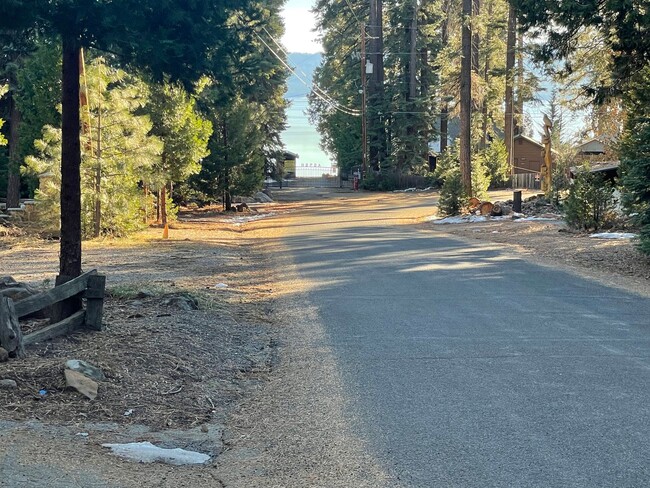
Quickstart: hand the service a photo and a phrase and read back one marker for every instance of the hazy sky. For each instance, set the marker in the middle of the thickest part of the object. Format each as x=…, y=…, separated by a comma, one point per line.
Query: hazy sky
x=299, y=24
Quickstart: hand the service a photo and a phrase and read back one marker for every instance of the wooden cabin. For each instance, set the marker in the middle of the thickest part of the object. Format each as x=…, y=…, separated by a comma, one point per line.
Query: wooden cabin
x=528, y=155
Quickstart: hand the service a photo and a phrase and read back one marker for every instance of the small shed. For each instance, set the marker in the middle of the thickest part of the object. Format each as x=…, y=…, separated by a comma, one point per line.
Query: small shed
x=608, y=169
x=592, y=147
x=289, y=164
x=528, y=155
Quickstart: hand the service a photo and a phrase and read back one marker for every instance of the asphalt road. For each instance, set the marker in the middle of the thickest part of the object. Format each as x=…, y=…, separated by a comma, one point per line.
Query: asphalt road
x=467, y=366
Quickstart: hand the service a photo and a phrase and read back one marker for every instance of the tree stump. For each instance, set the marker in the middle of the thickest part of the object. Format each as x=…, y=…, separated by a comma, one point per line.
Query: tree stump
x=486, y=208
x=11, y=337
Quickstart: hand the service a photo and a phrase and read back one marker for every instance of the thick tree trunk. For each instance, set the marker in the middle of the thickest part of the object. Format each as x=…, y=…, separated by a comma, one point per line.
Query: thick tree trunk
x=519, y=102
x=476, y=38
x=486, y=79
x=466, y=99
x=13, y=177
x=510, y=64
x=70, y=256
x=70, y=247
x=444, y=104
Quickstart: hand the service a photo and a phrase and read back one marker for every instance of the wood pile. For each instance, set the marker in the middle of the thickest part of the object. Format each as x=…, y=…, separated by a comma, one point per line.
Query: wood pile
x=486, y=208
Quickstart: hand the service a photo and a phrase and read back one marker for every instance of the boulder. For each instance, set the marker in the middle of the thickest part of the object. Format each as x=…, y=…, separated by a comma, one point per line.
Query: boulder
x=81, y=383
x=4, y=355
x=262, y=197
x=86, y=369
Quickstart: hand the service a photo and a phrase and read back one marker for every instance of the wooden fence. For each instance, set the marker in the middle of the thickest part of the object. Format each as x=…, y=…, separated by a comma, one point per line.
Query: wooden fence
x=529, y=181
x=89, y=286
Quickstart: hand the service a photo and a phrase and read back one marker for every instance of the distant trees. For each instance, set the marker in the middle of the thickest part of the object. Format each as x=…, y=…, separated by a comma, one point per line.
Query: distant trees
x=424, y=90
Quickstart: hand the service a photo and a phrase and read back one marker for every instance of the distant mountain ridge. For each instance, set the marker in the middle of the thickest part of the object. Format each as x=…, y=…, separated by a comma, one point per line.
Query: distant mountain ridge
x=302, y=63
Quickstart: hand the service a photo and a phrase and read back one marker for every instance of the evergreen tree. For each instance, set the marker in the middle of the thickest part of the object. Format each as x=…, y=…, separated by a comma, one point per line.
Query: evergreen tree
x=116, y=152
x=184, y=133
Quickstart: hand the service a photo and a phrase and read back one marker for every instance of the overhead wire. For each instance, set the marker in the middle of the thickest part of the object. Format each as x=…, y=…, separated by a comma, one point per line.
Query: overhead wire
x=317, y=90
x=314, y=86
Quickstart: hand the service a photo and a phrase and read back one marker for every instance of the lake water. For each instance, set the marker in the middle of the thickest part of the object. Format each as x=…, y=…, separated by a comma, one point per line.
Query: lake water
x=301, y=137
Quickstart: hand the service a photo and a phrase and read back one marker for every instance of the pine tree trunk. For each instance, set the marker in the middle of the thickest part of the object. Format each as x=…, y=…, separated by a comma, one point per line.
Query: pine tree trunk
x=13, y=177
x=145, y=220
x=486, y=79
x=510, y=64
x=163, y=204
x=158, y=205
x=476, y=38
x=519, y=102
x=444, y=104
x=466, y=99
x=70, y=244
x=70, y=256
x=98, y=175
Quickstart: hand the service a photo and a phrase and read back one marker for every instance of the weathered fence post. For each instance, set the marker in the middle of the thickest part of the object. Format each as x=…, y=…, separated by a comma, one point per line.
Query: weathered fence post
x=94, y=295
x=11, y=337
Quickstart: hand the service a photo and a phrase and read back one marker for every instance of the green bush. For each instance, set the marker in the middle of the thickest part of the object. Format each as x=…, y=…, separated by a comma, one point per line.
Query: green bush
x=453, y=199
x=590, y=204
x=635, y=172
x=495, y=160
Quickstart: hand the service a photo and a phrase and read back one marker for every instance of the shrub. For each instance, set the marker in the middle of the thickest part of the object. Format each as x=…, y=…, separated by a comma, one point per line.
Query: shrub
x=590, y=203
x=453, y=199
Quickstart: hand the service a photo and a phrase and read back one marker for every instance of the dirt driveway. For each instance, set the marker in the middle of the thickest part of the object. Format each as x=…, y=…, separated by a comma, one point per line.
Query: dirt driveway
x=187, y=376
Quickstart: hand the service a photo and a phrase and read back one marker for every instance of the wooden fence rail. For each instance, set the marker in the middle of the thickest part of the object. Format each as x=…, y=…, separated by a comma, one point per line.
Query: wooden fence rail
x=89, y=285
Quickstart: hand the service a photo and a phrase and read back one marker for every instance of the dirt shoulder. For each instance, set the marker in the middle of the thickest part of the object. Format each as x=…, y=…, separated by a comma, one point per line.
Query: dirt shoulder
x=614, y=262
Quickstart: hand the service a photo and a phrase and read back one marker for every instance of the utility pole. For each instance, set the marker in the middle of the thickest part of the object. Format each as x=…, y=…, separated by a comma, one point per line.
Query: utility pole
x=364, y=128
x=377, y=132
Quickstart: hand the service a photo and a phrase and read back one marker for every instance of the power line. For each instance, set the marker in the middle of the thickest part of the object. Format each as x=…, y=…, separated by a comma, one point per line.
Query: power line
x=316, y=90
x=314, y=86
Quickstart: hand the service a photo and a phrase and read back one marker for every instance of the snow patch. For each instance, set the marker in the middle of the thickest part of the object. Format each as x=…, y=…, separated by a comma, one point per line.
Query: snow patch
x=613, y=235
x=146, y=452
x=464, y=219
x=248, y=218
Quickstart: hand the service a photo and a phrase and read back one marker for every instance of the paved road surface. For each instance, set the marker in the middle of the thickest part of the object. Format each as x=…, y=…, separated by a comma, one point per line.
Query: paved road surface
x=467, y=366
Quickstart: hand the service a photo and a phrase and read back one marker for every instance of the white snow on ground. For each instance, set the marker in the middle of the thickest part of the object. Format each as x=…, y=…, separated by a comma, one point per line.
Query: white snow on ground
x=535, y=219
x=613, y=235
x=468, y=219
x=464, y=219
x=146, y=452
x=248, y=218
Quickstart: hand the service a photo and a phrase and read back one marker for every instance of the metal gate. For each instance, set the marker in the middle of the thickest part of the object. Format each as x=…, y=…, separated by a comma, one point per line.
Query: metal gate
x=311, y=176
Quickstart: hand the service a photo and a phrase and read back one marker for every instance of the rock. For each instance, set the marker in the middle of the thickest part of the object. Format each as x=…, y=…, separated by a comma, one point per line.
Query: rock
x=81, y=383
x=7, y=384
x=268, y=193
x=4, y=355
x=262, y=197
x=85, y=369
x=144, y=294
x=182, y=302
